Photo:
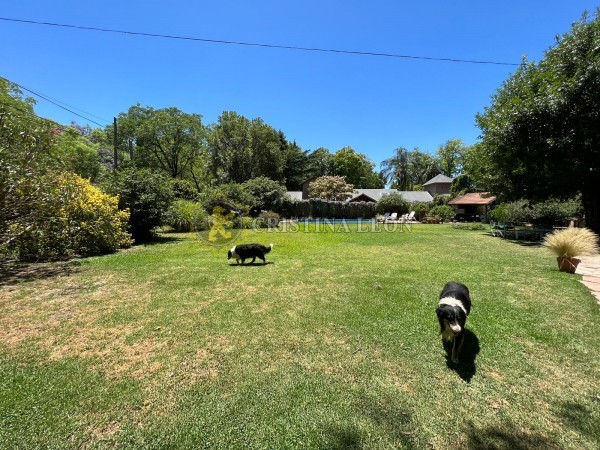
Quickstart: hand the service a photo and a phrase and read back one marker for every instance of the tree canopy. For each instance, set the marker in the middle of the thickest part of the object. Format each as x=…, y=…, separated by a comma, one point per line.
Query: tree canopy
x=540, y=134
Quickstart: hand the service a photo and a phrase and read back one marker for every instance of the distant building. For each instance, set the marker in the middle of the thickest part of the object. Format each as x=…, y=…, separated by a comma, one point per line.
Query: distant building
x=368, y=195
x=473, y=207
x=440, y=184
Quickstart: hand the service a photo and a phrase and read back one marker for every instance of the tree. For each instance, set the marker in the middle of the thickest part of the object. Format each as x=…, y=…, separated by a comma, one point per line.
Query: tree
x=357, y=168
x=332, y=188
x=395, y=169
x=146, y=193
x=75, y=152
x=407, y=169
x=320, y=163
x=163, y=139
x=241, y=149
x=421, y=167
x=541, y=131
x=25, y=156
x=296, y=166
x=450, y=156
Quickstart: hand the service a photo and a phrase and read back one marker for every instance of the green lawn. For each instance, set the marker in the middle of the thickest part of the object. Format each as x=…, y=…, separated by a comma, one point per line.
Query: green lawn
x=334, y=344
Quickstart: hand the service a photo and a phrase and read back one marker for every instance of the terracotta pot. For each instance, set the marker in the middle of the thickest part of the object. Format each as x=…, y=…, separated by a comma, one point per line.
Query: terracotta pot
x=567, y=264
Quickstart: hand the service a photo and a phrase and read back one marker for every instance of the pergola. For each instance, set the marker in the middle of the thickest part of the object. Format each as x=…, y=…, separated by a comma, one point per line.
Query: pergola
x=473, y=200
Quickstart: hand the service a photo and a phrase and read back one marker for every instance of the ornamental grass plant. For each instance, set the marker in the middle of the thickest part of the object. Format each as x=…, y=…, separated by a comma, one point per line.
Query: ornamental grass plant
x=572, y=242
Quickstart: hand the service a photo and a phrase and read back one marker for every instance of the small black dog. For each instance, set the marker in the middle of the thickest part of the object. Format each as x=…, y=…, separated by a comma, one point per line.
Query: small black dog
x=453, y=308
x=244, y=251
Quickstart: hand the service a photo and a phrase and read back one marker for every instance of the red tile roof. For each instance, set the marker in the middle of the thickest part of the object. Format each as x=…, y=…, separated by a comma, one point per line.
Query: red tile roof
x=474, y=198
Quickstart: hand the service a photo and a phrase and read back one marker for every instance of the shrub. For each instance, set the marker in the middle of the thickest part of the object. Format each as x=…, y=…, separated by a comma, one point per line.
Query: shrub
x=185, y=216
x=267, y=219
x=146, y=194
x=572, y=242
x=233, y=194
x=268, y=194
x=76, y=219
x=184, y=189
x=444, y=212
x=392, y=203
x=318, y=208
x=556, y=212
x=472, y=226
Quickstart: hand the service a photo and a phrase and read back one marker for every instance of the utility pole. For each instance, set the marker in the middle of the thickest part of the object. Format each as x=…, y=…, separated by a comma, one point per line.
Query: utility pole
x=115, y=145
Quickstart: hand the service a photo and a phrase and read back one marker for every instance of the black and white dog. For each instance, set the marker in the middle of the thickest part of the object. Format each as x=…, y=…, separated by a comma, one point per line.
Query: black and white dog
x=452, y=311
x=244, y=251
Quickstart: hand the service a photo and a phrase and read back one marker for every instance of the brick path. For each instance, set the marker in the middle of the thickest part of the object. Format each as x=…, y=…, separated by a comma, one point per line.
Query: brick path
x=589, y=267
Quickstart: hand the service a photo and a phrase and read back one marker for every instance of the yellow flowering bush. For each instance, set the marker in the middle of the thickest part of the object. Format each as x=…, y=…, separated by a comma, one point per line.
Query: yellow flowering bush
x=73, y=217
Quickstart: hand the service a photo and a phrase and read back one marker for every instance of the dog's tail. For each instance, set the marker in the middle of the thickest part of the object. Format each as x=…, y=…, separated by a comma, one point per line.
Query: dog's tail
x=269, y=248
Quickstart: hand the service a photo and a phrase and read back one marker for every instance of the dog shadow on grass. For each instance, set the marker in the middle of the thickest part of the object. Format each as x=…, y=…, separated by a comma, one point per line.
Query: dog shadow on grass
x=254, y=264
x=466, y=366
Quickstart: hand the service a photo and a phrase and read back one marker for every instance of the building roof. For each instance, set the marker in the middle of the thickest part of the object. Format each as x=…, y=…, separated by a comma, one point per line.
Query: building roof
x=374, y=194
x=438, y=179
x=416, y=196
x=473, y=198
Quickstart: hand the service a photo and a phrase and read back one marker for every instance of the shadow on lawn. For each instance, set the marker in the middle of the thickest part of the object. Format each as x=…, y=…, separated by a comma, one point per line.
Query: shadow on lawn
x=156, y=240
x=13, y=273
x=390, y=416
x=506, y=438
x=254, y=264
x=579, y=417
x=466, y=367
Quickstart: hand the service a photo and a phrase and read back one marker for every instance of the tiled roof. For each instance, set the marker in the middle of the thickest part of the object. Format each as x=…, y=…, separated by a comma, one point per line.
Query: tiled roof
x=473, y=198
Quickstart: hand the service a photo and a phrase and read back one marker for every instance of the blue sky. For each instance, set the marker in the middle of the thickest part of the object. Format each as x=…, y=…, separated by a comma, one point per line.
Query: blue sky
x=374, y=104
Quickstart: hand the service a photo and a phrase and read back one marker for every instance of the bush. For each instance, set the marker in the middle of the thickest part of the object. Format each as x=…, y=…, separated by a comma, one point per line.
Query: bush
x=185, y=216
x=550, y=212
x=233, y=194
x=267, y=219
x=392, y=203
x=472, y=226
x=557, y=212
x=76, y=218
x=444, y=212
x=184, y=189
x=268, y=194
x=146, y=194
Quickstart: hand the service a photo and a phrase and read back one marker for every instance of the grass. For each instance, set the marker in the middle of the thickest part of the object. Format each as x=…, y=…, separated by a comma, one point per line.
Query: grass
x=334, y=344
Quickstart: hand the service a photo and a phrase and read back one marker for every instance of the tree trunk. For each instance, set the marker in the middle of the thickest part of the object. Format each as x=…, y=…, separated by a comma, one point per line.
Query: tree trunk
x=591, y=207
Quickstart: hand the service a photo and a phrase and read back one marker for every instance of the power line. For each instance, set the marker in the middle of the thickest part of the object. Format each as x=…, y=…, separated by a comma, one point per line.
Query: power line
x=254, y=44
x=78, y=109
x=53, y=102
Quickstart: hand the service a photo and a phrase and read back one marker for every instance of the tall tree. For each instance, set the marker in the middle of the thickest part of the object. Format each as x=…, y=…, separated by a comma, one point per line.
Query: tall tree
x=422, y=167
x=26, y=144
x=166, y=139
x=241, y=149
x=451, y=156
x=541, y=130
x=406, y=169
x=357, y=168
x=320, y=163
x=295, y=170
x=395, y=169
